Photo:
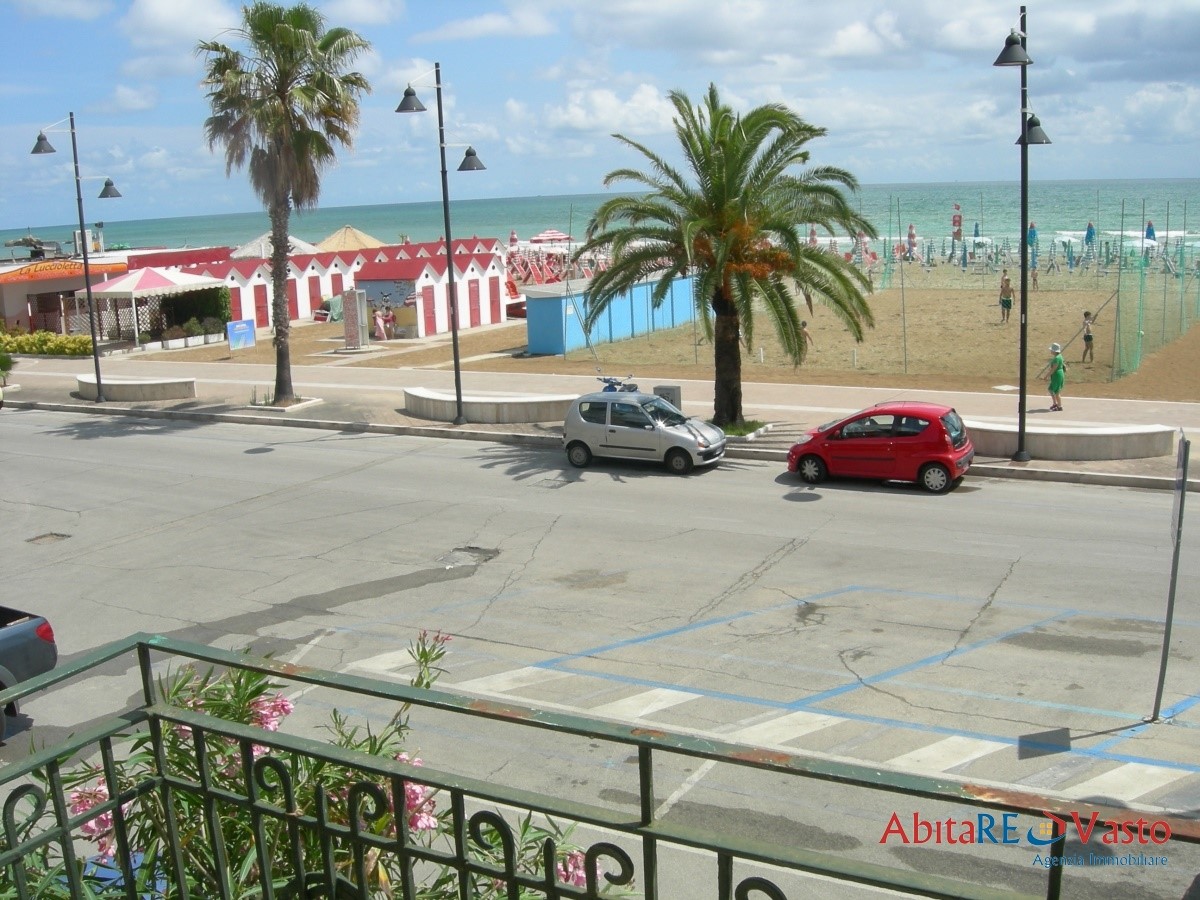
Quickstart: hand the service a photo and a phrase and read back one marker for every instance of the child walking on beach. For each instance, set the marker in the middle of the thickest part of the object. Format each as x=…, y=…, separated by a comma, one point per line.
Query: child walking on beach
x=1006, y=296
x=1057, y=377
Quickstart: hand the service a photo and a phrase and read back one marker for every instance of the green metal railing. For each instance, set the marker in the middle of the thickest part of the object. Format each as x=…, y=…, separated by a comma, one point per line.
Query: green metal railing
x=302, y=849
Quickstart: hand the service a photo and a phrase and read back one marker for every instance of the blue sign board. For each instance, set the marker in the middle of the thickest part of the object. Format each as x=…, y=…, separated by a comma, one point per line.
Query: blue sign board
x=241, y=334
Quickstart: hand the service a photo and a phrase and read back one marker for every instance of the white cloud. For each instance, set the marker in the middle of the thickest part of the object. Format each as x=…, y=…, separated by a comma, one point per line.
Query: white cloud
x=158, y=66
x=130, y=99
x=856, y=39
x=352, y=13
x=520, y=20
x=156, y=24
x=65, y=9
x=158, y=158
x=645, y=111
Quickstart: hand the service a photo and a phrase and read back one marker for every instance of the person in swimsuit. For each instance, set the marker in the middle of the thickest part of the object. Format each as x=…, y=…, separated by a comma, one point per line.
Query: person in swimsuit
x=1088, y=349
x=1006, y=296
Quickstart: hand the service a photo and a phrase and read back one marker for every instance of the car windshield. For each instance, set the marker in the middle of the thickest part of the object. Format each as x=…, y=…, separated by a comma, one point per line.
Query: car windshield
x=954, y=428
x=663, y=412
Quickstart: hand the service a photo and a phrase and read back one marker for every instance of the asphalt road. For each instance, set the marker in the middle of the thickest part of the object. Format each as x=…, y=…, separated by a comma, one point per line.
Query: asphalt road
x=1007, y=632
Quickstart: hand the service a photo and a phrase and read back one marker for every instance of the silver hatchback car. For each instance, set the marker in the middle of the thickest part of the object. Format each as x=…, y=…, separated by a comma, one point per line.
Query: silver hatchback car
x=628, y=425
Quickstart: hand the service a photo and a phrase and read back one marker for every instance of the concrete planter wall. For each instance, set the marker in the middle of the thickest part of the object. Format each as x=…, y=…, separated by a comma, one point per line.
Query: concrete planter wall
x=486, y=408
x=999, y=440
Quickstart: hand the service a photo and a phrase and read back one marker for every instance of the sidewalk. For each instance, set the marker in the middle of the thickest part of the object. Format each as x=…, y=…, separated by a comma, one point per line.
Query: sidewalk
x=367, y=399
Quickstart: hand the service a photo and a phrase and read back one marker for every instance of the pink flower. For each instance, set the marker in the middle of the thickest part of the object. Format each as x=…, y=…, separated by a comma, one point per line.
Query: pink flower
x=572, y=871
x=418, y=800
x=423, y=821
x=268, y=712
x=100, y=827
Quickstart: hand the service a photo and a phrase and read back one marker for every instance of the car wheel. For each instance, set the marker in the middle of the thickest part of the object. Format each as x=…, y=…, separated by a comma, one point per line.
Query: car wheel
x=679, y=462
x=935, y=478
x=578, y=454
x=812, y=469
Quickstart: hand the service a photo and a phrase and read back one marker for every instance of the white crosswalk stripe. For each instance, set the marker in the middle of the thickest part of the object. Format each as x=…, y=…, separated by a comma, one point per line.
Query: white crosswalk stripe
x=1127, y=782
x=643, y=704
x=946, y=754
x=783, y=728
x=502, y=682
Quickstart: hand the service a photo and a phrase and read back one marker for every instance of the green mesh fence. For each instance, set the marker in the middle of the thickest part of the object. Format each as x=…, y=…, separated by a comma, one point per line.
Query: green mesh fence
x=1157, y=300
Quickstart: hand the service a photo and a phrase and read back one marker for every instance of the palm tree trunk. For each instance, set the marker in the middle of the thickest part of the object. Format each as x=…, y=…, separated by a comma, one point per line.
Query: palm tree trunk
x=727, y=360
x=280, y=213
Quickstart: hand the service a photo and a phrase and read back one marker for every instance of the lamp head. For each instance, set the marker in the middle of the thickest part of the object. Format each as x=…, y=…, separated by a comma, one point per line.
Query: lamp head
x=1033, y=132
x=42, y=145
x=1013, y=53
x=471, y=161
x=110, y=191
x=410, y=103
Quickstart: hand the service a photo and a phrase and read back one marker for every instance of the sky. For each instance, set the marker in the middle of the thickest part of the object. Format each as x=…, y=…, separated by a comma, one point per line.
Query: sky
x=907, y=93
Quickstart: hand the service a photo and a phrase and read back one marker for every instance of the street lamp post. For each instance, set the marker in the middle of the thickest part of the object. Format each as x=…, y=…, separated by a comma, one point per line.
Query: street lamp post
x=109, y=191
x=1014, y=54
x=470, y=163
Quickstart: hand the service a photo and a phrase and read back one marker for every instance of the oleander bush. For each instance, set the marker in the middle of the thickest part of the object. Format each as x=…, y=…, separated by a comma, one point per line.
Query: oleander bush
x=344, y=797
x=46, y=343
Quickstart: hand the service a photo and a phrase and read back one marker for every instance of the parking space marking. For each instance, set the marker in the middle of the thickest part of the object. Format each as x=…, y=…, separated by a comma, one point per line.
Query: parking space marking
x=384, y=663
x=643, y=704
x=782, y=729
x=1127, y=782
x=948, y=748
x=503, y=682
x=927, y=661
x=947, y=754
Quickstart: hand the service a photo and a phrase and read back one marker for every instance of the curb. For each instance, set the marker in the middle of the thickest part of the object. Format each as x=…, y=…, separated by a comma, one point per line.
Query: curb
x=735, y=451
x=499, y=437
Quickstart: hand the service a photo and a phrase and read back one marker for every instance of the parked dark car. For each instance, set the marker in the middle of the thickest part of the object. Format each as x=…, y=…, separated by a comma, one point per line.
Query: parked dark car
x=27, y=649
x=899, y=441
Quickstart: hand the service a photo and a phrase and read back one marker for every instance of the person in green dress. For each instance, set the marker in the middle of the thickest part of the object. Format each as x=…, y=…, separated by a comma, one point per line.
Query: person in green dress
x=1057, y=376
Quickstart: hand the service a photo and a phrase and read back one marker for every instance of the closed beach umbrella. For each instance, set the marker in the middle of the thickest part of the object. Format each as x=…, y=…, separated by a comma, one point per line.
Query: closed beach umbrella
x=1150, y=235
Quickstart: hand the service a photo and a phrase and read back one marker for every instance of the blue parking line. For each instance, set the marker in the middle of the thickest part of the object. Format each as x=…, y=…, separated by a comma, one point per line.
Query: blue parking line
x=1169, y=713
x=707, y=693
x=693, y=626
x=1181, y=707
x=1098, y=751
x=1090, y=752
x=927, y=661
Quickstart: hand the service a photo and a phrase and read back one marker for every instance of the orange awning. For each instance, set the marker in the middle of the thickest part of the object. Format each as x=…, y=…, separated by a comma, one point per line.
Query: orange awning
x=48, y=269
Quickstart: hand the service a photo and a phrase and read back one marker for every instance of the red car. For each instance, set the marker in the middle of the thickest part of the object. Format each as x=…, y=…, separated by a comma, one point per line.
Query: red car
x=902, y=441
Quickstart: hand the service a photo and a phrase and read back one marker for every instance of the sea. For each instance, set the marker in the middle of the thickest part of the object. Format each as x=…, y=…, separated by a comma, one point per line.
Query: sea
x=1061, y=210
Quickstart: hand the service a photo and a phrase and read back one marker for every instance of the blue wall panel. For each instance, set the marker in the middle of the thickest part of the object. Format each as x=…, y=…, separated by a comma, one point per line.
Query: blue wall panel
x=555, y=324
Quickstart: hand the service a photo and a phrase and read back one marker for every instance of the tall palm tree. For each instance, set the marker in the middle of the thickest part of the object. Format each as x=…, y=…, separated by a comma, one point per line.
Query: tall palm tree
x=735, y=220
x=280, y=107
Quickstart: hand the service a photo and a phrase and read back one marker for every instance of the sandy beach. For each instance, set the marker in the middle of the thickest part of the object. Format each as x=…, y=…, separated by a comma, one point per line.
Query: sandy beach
x=939, y=330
